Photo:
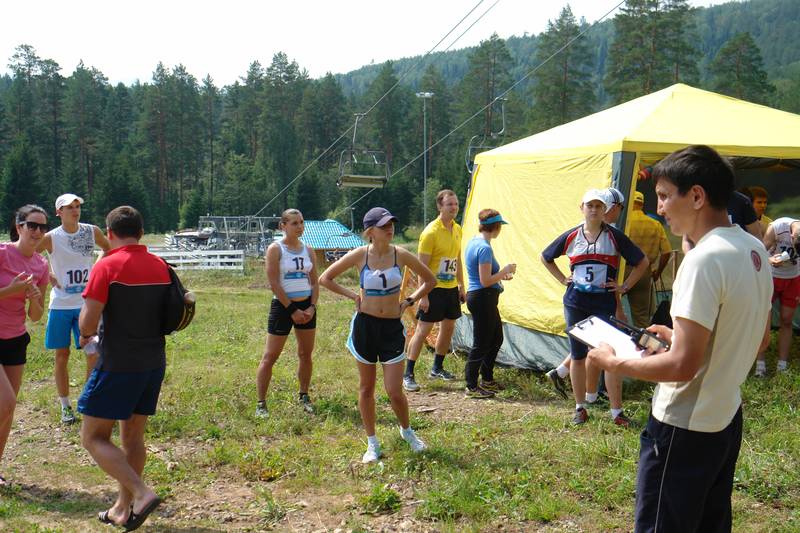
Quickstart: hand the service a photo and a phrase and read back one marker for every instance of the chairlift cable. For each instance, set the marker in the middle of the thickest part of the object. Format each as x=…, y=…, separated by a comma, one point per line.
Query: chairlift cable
x=408, y=71
x=503, y=94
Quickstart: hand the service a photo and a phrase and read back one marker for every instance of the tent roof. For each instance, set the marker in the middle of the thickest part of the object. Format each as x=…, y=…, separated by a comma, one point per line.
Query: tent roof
x=662, y=122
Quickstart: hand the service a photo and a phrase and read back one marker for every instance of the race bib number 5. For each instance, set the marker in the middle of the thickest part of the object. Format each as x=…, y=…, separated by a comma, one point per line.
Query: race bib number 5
x=447, y=269
x=590, y=278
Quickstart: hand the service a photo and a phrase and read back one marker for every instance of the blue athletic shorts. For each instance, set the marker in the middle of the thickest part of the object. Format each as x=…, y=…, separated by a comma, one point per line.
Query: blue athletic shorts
x=60, y=322
x=119, y=395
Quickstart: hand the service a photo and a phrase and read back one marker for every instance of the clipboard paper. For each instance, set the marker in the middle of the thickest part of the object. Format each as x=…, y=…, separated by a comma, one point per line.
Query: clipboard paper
x=594, y=330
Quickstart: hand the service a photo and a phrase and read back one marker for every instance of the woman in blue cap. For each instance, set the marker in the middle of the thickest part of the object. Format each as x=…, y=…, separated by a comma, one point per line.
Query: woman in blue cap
x=483, y=291
x=376, y=332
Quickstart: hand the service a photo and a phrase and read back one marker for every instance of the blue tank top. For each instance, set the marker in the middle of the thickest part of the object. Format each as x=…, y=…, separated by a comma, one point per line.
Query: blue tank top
x=380, y=282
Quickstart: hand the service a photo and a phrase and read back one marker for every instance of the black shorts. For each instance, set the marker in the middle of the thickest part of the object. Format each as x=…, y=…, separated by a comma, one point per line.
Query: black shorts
x=444, y=303
x=280, y=319
x=374, y=339
x=14, y=351
x=685, y=478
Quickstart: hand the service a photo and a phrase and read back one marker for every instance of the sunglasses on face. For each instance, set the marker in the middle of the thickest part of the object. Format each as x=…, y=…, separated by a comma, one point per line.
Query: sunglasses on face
x=32, y=226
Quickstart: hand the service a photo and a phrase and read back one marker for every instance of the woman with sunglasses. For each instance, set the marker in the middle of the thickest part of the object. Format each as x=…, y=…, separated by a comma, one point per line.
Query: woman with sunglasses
x=376, y=332
x=23, y=279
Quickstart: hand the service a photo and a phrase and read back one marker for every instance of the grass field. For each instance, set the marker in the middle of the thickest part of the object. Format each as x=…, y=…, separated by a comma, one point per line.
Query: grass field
x=509, y=464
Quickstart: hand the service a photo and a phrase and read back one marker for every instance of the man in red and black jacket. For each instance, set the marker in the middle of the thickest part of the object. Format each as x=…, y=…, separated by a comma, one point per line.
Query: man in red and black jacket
x=126, y=288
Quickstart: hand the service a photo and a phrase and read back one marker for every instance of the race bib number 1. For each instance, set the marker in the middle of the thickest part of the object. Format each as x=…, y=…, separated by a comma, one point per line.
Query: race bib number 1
x=590, y=278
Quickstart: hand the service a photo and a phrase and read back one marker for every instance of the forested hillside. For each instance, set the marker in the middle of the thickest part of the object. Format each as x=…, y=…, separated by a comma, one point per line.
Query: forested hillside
x=178, y=146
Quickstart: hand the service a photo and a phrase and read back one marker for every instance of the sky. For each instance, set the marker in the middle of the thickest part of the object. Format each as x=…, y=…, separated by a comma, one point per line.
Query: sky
x=126, y=40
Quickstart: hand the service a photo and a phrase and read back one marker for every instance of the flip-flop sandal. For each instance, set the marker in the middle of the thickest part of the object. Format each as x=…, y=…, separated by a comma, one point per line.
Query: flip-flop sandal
x=104, y=518
x=136, y=520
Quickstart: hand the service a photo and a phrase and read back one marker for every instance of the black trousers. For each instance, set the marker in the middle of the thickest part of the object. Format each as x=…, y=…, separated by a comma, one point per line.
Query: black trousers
x=487, y=335
x=685, y=478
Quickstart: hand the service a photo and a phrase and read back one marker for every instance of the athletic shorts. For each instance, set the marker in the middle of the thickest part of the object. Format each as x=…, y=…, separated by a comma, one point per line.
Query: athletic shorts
x=60, y=323
x=13, y=351
x=119, y=395
x=444, y=303
x=573, y=315
x=788, y=290
x=374, y=339
x=280, y=319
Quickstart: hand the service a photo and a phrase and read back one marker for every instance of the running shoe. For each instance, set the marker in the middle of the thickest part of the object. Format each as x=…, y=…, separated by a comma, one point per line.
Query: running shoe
x=622, y=420
x=261, y=410
x=558, y=383
x=478, y=393
x=415, y=442
x=760, y=373
x=492, y=386
x=67, y=415
x=305, y=401
x=580, y=417
x=410, y=384
x=372, y=454
x=441, y=373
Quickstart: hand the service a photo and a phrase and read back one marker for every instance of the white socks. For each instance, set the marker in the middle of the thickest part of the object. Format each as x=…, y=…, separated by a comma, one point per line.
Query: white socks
x=615, y=413
x=781, y=365
x=579, y=406
x=591, y=397
x=562, y=371
x=372, y=440
x=64, y=401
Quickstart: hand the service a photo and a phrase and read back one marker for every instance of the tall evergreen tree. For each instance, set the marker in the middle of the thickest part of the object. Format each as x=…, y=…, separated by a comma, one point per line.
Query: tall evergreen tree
x=738, y=70
x=18, y=180
x=211, y=104
x=637, y=62
x=564, y=89
x=678, y=34
x=489, y=75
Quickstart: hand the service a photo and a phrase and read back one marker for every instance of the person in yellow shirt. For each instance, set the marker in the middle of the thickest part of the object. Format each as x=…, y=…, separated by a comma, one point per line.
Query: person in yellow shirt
x=649, y=235
x=439, y=249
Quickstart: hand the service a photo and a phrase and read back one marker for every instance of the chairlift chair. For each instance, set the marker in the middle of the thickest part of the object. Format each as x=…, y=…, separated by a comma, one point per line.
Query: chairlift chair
x=481, y=143
x=362, y=167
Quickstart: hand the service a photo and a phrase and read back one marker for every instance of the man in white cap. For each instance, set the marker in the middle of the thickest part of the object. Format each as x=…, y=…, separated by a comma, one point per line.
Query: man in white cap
x=70, y=248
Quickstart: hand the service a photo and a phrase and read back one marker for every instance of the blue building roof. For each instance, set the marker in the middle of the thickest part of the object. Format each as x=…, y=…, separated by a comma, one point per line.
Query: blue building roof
x=330, y=235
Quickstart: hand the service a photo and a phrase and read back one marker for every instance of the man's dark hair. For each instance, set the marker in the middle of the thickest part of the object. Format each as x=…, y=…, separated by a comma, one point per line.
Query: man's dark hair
x=125, y=221
x=698, y=165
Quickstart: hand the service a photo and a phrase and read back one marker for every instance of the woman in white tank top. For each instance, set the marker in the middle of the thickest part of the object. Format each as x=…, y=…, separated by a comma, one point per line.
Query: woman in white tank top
x=376, y=332
x=292, y=276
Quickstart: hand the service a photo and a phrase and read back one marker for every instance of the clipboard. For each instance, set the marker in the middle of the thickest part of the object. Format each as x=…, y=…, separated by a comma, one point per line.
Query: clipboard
x=594, y=330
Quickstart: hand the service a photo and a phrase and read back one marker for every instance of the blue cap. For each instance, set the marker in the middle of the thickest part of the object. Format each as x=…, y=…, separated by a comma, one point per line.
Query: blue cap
x=378, y=216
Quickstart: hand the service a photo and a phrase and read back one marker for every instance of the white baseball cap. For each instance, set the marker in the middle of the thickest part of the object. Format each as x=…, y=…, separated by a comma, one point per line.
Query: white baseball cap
x=595, y=194
x=66, y=199
x=614, y=197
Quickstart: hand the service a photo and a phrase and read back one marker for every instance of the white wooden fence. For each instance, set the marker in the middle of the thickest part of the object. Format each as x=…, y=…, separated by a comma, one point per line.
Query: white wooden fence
x=202, y=259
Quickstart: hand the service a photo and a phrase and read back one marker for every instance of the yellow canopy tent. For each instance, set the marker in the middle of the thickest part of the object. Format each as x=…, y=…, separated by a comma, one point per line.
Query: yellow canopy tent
x=537, y=184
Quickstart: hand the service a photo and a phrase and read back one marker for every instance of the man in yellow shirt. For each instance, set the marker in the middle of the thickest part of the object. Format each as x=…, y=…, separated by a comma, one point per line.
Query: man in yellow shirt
x=649, y=235
x=439, y=249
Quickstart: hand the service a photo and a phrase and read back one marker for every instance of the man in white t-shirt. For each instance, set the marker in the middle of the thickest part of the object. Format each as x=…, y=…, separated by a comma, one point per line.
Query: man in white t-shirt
x=720, y=309
x=70, y=249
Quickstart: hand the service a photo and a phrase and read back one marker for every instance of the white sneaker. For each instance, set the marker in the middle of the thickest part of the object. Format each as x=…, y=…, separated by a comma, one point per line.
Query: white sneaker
x=411, y=438
x=760, y=372
x=372, y=454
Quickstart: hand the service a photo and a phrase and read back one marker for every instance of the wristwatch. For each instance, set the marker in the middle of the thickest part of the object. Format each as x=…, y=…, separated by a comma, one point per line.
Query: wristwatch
x=409, y=300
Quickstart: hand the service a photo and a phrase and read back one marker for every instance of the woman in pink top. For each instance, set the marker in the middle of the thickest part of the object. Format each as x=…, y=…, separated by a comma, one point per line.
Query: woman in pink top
x=23, y=280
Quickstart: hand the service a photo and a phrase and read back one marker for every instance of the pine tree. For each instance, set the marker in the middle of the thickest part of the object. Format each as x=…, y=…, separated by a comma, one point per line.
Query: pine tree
x=637, y=63
x=18, y=181
x=679, y=35
x=564, y=89
x=738, y=70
